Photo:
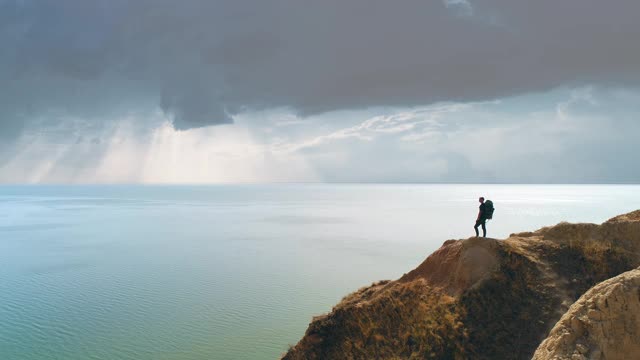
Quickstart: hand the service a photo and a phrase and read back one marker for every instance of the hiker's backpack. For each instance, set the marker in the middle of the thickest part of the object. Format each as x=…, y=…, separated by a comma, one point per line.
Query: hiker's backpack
x=488, y=209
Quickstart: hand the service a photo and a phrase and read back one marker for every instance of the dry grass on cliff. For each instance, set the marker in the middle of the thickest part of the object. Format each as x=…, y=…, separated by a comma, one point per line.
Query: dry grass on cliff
x=407, y=321
x=536, y=276
x=505, y=317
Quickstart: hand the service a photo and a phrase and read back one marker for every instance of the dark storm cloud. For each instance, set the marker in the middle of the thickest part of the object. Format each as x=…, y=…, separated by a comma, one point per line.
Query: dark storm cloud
x=204, y=61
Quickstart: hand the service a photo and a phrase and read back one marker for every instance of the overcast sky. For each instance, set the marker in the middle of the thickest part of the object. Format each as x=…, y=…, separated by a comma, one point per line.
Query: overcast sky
x=202, y=91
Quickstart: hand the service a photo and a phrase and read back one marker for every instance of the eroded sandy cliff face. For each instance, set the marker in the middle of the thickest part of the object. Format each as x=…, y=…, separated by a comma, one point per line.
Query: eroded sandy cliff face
x=476, y=298
x=603, y=324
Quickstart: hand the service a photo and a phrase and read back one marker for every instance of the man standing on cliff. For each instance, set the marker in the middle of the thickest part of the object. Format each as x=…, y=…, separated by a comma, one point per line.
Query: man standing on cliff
x=481, y=219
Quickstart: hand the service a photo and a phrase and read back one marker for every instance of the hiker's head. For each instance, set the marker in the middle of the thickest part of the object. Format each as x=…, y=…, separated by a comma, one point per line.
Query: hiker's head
x=481, y=199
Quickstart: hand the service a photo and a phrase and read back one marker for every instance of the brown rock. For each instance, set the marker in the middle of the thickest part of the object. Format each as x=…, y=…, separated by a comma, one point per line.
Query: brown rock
x=457, y=265
x=609, y=315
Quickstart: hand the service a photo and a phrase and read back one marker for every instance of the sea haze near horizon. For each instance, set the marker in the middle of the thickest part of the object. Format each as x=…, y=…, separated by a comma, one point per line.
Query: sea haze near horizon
x=230, y=271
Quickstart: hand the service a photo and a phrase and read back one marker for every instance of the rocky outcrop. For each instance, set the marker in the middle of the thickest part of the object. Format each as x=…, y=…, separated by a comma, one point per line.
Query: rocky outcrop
x=476, y=298
x=603, y=324
x=457, y=265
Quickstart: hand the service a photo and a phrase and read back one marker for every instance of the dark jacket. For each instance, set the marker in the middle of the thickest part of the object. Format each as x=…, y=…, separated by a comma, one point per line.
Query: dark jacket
x=483, y=211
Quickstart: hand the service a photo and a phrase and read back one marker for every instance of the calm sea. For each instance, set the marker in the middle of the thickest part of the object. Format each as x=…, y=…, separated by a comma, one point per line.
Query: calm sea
x=230, y=272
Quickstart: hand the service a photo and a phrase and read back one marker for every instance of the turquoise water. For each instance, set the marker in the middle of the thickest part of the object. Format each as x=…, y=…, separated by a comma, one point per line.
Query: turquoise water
x=230, y=272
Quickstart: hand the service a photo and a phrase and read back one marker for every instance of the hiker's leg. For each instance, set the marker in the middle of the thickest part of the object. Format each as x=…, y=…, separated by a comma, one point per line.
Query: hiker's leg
x=476, y=228
x=484, y=229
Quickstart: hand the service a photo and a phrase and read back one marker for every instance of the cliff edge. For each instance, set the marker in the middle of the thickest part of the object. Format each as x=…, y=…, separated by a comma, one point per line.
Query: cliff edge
x=476, y=298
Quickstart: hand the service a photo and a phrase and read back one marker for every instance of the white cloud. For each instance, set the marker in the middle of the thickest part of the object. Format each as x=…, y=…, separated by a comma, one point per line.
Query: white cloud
x=563, y=136
x=576, y=135
x=461, y=7
x=422, y=119
x=225, y=154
